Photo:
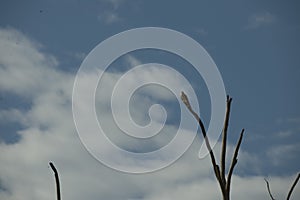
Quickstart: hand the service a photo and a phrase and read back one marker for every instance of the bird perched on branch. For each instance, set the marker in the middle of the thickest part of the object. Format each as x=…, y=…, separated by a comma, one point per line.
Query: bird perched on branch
x=185, y=100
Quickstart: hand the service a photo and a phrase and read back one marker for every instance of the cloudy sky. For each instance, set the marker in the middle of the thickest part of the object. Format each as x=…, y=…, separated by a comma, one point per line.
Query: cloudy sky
x=255, y=45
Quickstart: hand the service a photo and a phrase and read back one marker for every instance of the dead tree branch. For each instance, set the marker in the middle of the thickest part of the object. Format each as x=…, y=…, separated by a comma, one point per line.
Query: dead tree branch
x=290, y=191
x=269, y=190
x=216, y=168
x=56, y=180
x=234, y=162
x=293, y=186
x=220, y=174
x=224, y=139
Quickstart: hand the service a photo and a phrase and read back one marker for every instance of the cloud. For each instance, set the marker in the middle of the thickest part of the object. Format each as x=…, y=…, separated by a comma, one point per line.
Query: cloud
x=12, y=115
x=295, y=120
x=77, y=55
x=49, y=135
x=132, y=61
x=260, y=19
x=282, y=154
x=23, y=64
x=109, y=17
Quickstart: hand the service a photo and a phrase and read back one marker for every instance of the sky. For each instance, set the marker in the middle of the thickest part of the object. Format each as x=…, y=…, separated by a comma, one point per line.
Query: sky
x=254, y=44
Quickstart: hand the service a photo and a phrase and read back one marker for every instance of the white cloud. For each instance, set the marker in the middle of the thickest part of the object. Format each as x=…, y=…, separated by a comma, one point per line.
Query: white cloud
x=285, y=134
x=12, y=115
x=50, y=135
x=109, y=17
x=281, y=153
x=132, y=61
x=260, y=19
x=24, y=69
x=77, y=55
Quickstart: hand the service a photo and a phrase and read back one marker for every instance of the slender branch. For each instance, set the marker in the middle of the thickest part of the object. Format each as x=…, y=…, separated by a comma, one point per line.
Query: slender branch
x=216, y=168
x=56, y=180
x=293, y=186
x=269, y=190
x=234, y=161
x=224, y=140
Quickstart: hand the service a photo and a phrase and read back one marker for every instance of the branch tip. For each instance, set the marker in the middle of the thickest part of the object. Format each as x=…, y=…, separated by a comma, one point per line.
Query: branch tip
x=56, y=180
x=268, y=188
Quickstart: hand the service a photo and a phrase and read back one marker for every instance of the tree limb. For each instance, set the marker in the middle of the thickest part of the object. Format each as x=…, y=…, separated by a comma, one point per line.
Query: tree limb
x=216, y=168
x=293, y=186
x=269, y=190
x=234, y=161
x=224, y=139
x=56, y=180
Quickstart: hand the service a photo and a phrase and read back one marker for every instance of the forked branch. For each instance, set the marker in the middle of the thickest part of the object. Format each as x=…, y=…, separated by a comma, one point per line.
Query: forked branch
x=220, y=174
x=290, y=191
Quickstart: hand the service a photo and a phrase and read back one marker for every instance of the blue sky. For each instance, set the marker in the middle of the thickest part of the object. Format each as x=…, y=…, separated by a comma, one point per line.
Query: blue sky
x=255, y=45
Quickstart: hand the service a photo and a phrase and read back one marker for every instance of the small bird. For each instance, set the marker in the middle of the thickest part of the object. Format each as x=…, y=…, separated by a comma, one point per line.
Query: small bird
x=185, y=100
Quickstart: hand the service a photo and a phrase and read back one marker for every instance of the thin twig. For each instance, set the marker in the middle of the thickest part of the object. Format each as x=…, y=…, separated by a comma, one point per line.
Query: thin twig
x=293, y=186
x=216, y=168
x=269, y=190
x=56, y=180
x=224, y=140
x=234, y=161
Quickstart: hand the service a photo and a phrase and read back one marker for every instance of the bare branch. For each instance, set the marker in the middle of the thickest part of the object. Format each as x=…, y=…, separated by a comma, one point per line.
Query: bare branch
x=224, y=139
x=234, y=161
x=293, y=186
x=216, y=168
x=269, y=190
x=56, y=180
